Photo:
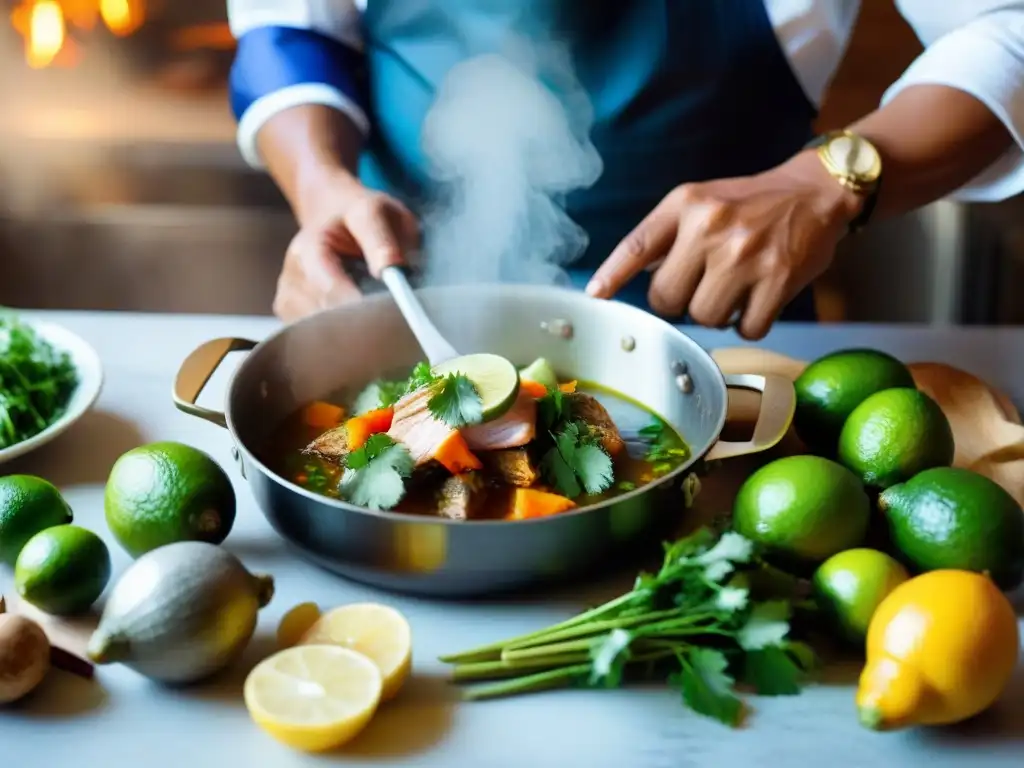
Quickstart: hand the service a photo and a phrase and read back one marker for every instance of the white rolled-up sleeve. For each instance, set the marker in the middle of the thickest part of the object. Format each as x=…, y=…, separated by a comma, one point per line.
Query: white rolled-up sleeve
x=294, y=52
x=976, y=46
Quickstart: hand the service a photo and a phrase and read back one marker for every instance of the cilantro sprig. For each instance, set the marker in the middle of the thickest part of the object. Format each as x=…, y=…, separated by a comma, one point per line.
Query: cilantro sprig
x=375, y=473
x=456, y=402
x=576, y=463
x=697, y=622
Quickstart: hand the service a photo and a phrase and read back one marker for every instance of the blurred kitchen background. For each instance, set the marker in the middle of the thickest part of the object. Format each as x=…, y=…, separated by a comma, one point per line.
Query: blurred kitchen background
x=121, y=187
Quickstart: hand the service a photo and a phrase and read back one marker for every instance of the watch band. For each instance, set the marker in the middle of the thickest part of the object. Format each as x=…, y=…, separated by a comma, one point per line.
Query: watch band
x=870, y=195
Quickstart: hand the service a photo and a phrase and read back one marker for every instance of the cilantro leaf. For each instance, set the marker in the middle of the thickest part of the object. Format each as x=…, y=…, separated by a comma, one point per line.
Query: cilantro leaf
x=609, y=658
x=767, y=626
x=378, y=394
x=456, y=402
x=706, y=687
x=575, y=464
x=375, y=473
x=421, y=376
x=550, y=410
x=732, y=599
x=772, y=672
x=594, y=468
x=560, y=473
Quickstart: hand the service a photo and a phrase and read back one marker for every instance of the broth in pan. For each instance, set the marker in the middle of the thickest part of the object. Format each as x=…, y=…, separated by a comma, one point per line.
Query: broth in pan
x=406, y=446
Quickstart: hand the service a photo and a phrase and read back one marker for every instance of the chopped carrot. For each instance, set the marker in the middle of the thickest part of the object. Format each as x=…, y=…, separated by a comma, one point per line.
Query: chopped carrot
x=568, y=387
x=359, y=428
x=530, y=503
x=532, y=388
x=454, y=455
x=322, y=415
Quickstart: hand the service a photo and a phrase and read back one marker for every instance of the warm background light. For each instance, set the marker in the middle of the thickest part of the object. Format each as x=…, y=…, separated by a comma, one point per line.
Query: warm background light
x=44, y=25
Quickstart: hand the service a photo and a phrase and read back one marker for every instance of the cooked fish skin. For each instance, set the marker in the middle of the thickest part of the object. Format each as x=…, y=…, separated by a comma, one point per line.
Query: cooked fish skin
x=518, y=426
x=513, y=465
x=330, y=446
x=588, y=408
x=458, y=496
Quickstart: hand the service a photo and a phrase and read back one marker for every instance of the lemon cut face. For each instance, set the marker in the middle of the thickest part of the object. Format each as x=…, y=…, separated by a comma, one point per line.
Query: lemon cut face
x=313, y=698
x=378, y=632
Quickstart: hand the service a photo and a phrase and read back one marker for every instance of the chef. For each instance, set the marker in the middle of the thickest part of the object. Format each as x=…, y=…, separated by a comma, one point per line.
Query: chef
x=717, y=202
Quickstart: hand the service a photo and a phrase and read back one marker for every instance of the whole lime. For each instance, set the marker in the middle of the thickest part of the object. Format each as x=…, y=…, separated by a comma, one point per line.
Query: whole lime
x=63, y=570
x=947, y=517
x=802, y=509
x=166, y=492
x=893, y=435
x=850, y=585
x=833, y=385
x=28, y=504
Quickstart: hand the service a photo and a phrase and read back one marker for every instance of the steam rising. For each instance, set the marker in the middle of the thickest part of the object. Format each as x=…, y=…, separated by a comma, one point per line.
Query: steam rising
x=506, y=151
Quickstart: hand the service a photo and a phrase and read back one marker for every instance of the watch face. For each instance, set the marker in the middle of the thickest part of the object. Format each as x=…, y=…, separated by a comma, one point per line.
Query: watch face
x=854, y=156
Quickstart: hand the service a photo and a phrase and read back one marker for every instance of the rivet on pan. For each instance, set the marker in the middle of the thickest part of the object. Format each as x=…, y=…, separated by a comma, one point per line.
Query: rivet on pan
x=679, y=368
x=684, y=383
x=562, y=328
x=628, y=343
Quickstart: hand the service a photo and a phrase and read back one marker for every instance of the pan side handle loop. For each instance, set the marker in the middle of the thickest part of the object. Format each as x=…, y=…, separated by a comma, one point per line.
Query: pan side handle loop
x=196, y=371
x=778, y=403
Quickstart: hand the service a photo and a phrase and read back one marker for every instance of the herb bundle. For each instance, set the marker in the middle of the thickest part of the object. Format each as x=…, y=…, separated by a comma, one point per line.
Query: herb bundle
x=700, y=621
x=36, y=381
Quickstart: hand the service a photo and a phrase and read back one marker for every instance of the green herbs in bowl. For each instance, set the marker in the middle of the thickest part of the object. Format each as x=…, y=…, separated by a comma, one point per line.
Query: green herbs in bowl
x=48, y=378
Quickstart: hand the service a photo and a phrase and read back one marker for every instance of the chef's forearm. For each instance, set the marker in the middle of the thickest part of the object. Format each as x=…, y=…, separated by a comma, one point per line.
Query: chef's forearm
x=305, y=145
x=933, y=140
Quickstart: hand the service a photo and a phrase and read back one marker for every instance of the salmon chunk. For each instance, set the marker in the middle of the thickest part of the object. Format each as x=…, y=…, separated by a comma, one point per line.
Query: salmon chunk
x=428, y=438
x=516, y=427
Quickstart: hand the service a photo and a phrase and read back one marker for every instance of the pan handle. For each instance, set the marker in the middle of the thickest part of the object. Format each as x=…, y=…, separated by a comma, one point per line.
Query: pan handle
x=778, y=403
x=196, y=371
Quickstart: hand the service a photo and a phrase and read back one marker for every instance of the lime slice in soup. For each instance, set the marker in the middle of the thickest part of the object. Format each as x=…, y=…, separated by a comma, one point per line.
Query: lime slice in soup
x=496, y=380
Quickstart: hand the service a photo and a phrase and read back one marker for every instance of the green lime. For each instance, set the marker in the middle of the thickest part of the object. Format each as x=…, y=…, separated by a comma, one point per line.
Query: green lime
x=850, y=585
x=832, y=386
x=163, y=493
x=893, y=435
x=28, y=504
x=955, y=518
x=63, y=570
x=496, y=380
x=802, y=510
x=540, y=371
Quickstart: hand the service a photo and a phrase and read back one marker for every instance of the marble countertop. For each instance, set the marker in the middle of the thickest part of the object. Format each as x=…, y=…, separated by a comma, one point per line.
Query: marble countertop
x=122, y=720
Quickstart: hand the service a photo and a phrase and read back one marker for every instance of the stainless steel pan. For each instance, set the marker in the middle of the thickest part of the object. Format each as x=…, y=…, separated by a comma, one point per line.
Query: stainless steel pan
x=614, y=344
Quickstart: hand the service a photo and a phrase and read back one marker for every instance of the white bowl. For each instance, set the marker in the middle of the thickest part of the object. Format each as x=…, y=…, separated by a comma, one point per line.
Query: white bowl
x=90, y=382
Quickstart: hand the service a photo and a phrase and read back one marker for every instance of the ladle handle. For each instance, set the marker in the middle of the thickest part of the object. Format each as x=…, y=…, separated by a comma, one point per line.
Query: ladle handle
x=435, y=346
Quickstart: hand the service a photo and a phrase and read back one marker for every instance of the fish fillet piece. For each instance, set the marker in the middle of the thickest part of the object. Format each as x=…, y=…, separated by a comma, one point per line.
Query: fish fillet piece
x=427, y=437
x=515, y=428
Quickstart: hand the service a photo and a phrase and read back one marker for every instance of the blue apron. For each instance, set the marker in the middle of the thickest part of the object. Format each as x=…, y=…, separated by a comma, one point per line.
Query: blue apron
x=682, y=90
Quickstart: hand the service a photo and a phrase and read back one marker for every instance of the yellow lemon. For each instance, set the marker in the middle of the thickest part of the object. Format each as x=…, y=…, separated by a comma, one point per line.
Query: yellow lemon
x=296, y=623
x=313, y=697
x=940, y=649
x=379, y=632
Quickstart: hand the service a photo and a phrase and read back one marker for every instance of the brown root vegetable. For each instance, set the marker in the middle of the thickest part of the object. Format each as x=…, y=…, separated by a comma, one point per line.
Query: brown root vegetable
x=24, y=656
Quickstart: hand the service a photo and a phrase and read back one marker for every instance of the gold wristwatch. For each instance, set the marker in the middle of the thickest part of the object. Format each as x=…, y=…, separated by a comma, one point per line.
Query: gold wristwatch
x=855, y=163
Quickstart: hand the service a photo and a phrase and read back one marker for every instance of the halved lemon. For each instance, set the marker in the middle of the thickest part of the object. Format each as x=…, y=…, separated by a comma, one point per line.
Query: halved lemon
x=495, y=378
x=296, y=623
x=379, y=632
x=313, y=697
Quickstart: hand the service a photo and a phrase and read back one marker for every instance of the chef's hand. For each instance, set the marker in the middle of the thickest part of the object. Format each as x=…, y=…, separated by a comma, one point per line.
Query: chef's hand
x=341, y=218
x=749, y=244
